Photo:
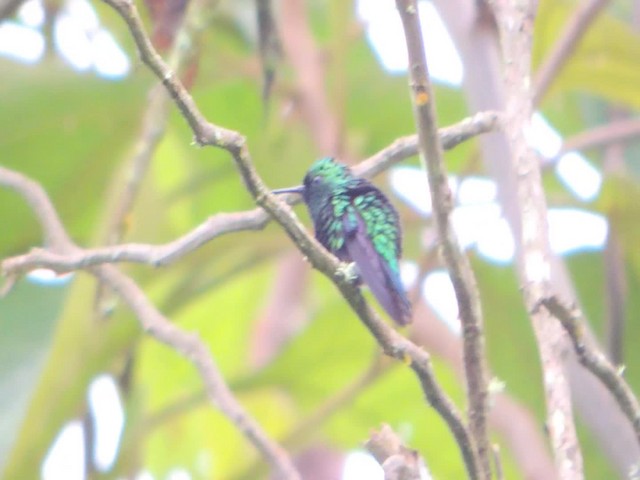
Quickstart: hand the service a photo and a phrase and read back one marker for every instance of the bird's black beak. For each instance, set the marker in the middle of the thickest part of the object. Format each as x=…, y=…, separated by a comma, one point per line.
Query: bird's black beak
x=299, y=189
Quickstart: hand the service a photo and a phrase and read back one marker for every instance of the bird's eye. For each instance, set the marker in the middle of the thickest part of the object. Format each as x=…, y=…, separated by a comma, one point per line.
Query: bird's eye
x=316, y=180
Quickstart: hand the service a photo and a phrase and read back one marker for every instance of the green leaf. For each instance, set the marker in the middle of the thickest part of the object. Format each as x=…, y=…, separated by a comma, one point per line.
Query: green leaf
x=605, y=60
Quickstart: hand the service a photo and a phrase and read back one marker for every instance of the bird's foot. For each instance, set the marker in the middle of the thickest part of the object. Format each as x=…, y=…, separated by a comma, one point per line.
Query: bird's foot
x=349, y=271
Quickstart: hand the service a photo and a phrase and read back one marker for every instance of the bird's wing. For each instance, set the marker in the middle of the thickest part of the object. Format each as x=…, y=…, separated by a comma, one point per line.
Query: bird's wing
x=364, y=189
x=375, y=270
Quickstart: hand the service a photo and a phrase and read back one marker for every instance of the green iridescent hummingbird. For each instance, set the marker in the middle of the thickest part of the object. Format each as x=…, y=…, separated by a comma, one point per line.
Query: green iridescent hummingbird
x=357, y=223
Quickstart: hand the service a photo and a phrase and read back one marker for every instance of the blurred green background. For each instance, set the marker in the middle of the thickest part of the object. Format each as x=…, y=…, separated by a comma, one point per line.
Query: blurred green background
x=75, y=132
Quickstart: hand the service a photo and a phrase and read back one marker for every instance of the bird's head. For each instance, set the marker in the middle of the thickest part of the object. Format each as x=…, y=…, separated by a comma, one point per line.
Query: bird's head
x=325, y=178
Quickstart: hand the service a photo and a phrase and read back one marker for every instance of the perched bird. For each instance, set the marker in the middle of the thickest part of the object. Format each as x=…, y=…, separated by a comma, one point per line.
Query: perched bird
x=357, y=223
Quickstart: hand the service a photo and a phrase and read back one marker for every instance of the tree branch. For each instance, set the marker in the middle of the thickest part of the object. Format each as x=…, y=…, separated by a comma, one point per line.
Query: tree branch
x=126, y=186
x=510, y=420
x=153, y=322
x=457, y=263
x=622, y=130
x=397, y=461
x=391, y=342
x=190, y=346
x=515, y=21
x=224, y=223
x=283, y=312
x=594, y=361
x=54, y=234
x=475, y=34
x=205, y=133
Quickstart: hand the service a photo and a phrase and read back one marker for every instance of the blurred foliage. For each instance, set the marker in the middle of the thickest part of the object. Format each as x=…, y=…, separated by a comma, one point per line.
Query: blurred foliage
x=74, y=134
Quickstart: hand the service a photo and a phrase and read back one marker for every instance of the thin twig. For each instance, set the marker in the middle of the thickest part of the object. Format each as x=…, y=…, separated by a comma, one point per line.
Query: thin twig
x=153, y=126
x=283, y=311
x=206, y=133
x=578, y=25
x=192, y=347
x=187, y=344
x=54, y=234
x=398, y=461
x=623, y=130
x=152, y=129
x=116, y=222
x=616, y=295
x=572, y=321
x=224, y=223
x=154, y=122
x=392, y=343
x=515, y=21
x=450, y=137
x=457, y=263
x=151, y=132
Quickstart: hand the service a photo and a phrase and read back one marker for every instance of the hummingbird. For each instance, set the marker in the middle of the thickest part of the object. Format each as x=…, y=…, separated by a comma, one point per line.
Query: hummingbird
x=356, y=222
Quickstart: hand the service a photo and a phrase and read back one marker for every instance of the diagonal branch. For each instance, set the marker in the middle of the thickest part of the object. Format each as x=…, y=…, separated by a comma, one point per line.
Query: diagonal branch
x=462, y=277
x=622, y=130
x=594, y=361
x=391, y=342
x=155, y=119
x=206, y=133
x=190, y=346
x=153, y=322
x=54, y=234
x=224, y=223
